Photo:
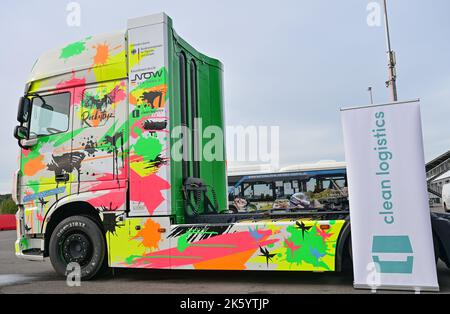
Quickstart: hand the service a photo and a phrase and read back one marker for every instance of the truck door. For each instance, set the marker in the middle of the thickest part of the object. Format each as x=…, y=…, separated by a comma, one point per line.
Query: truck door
x=48, y=167
x=100, y=143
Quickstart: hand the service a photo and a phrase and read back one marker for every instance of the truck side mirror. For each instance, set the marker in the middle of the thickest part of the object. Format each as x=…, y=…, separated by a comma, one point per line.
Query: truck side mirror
x=24, y=110
x=20, y=132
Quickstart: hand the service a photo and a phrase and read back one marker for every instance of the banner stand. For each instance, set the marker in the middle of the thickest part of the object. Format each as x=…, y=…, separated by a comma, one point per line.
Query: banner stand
x=398, y=288
x=392, y=241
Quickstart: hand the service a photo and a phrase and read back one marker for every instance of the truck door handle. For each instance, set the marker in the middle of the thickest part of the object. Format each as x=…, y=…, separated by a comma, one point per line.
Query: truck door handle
x=62, y=177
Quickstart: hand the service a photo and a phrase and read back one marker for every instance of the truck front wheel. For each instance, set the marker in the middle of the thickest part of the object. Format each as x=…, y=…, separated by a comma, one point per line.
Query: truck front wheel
x=78, y=241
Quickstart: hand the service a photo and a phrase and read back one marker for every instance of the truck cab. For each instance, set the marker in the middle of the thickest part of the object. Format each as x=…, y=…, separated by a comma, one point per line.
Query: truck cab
x=95, y=130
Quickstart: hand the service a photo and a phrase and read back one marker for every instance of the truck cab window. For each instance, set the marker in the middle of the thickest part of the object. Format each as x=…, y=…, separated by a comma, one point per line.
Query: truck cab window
x=49, y=115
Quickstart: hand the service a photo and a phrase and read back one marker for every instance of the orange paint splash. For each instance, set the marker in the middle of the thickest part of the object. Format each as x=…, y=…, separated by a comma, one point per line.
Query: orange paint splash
x=150, y=234
x=230, y=262
x=132, y=100
x=102, y=54
x=34, y=166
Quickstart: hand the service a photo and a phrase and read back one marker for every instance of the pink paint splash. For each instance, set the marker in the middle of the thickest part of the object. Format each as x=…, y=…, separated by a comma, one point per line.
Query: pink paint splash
x=147, y=190
x=74, y=81
x=111, y=200
x=39, y=217
x=325, y=236
x=290, y=245
x=119, y=93
x=204, y=250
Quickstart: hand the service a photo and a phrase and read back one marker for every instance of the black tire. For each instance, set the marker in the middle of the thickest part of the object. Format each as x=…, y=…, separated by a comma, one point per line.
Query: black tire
x=78, y=239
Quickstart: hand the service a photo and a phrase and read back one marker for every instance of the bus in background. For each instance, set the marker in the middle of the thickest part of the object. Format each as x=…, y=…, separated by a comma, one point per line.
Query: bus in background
x=317, y=186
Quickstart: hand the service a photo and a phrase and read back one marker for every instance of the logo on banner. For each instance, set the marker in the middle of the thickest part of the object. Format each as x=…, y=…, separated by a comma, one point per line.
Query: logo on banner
x=393, y=246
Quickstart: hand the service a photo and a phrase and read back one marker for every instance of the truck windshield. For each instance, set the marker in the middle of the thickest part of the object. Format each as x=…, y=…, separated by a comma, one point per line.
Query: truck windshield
x=49, y=115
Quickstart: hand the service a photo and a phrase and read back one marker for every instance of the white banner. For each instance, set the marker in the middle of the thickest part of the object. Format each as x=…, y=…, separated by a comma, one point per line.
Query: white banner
x=392, y=242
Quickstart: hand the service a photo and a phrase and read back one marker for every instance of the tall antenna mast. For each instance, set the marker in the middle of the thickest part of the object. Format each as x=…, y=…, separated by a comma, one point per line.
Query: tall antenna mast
x=392, y=82
x=369, y=89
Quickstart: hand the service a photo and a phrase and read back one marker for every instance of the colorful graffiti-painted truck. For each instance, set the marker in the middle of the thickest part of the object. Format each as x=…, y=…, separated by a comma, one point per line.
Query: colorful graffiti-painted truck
x=99, y=183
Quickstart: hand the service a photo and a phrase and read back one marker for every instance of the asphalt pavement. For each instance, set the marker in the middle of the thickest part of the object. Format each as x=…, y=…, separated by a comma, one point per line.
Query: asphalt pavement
x=19, y=276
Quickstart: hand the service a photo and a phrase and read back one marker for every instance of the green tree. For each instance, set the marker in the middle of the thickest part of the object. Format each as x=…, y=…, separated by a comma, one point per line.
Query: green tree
x=8, y=206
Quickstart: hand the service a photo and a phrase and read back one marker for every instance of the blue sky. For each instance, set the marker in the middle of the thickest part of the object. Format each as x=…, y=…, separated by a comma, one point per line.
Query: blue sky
x=287, y=63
